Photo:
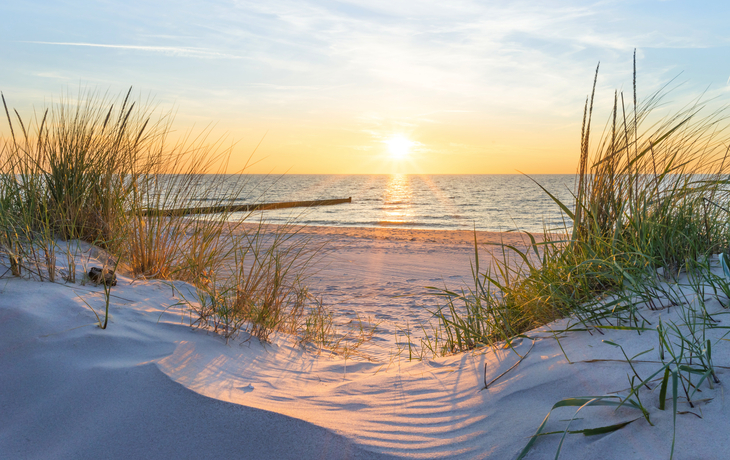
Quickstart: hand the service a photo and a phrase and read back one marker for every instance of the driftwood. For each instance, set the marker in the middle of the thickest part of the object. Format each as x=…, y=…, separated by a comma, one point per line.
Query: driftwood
x=243, y=207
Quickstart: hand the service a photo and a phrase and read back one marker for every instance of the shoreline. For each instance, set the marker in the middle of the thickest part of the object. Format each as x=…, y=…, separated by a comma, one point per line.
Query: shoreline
x=437, y=236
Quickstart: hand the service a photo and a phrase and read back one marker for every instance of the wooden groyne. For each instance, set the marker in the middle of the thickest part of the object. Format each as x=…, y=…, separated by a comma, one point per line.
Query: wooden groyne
x=244, y=207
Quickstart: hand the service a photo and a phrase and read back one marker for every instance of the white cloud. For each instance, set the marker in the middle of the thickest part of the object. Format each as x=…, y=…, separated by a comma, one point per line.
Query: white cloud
x=169, y=50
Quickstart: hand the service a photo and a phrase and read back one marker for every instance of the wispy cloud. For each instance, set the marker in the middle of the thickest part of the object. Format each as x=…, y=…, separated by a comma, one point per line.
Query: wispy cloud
x=169, y=50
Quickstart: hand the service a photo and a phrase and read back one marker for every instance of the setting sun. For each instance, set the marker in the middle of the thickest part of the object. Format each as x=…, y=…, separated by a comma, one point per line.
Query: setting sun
x=399, y=147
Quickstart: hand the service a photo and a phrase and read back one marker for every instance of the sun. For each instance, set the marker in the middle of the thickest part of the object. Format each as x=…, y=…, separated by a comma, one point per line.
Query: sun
x=399, y=147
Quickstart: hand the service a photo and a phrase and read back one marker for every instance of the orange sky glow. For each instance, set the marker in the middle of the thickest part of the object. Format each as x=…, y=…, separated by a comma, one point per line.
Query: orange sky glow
x=325, y=87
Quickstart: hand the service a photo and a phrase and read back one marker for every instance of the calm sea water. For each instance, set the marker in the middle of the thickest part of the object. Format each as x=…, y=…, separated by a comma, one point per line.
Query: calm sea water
x=487, y=202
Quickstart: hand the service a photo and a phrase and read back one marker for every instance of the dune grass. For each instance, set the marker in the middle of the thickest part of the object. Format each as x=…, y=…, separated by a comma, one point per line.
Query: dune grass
x=682, y=354
x=89, y=168
x=647, y=198
x=650, y=211
x=263, y=289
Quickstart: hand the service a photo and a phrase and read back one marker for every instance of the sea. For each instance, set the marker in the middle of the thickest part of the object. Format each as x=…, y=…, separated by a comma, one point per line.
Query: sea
x=487, y=202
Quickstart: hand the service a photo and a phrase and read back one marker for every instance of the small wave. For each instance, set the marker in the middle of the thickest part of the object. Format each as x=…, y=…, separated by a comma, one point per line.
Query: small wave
x=391, y=203
x=405, y=223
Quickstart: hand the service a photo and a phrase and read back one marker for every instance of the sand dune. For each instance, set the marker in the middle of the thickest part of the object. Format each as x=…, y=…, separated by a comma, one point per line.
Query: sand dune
x=151, y=387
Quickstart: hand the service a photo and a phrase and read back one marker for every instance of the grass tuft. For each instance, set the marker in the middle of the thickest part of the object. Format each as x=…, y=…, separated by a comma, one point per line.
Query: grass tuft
x=650, y=210
x=91, y=168
x=649, y=198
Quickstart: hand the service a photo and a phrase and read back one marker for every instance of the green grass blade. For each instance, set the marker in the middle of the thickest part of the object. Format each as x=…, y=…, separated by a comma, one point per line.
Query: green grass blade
x=604, y=429
x=663, y=389
x=675, y=384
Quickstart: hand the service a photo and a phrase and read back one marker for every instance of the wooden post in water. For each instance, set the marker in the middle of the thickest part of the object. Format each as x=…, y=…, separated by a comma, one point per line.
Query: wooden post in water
x=243, y=207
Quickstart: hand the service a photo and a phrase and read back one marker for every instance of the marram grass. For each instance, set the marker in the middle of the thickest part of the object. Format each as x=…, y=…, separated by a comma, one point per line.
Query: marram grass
x=650, y=209
x=89, y=168
x=647, y=198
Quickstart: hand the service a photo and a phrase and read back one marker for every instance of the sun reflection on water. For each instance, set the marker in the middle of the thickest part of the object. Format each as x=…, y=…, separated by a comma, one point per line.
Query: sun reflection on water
x=398, y=200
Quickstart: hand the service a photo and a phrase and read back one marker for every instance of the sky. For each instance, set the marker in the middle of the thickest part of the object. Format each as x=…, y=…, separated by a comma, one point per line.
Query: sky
x=370, y=87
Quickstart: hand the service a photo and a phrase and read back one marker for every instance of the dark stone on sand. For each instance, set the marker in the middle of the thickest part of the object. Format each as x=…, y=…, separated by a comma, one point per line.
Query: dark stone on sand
x=105, y=276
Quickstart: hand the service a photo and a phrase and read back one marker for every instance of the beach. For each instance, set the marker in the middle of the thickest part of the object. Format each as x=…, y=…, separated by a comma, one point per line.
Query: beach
x=382, y=274
x=392, y=243
x=150, y=386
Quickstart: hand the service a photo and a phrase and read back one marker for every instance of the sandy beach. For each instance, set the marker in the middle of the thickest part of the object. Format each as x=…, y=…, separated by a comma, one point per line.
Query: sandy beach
x=364, y=230
x=150, y=386
x=381, y=274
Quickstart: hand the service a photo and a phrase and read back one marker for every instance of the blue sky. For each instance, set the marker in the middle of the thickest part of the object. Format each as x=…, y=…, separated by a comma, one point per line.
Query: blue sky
x=490, y=87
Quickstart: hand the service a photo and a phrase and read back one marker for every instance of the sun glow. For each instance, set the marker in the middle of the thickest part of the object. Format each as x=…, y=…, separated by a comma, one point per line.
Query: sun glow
x=399, y=147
